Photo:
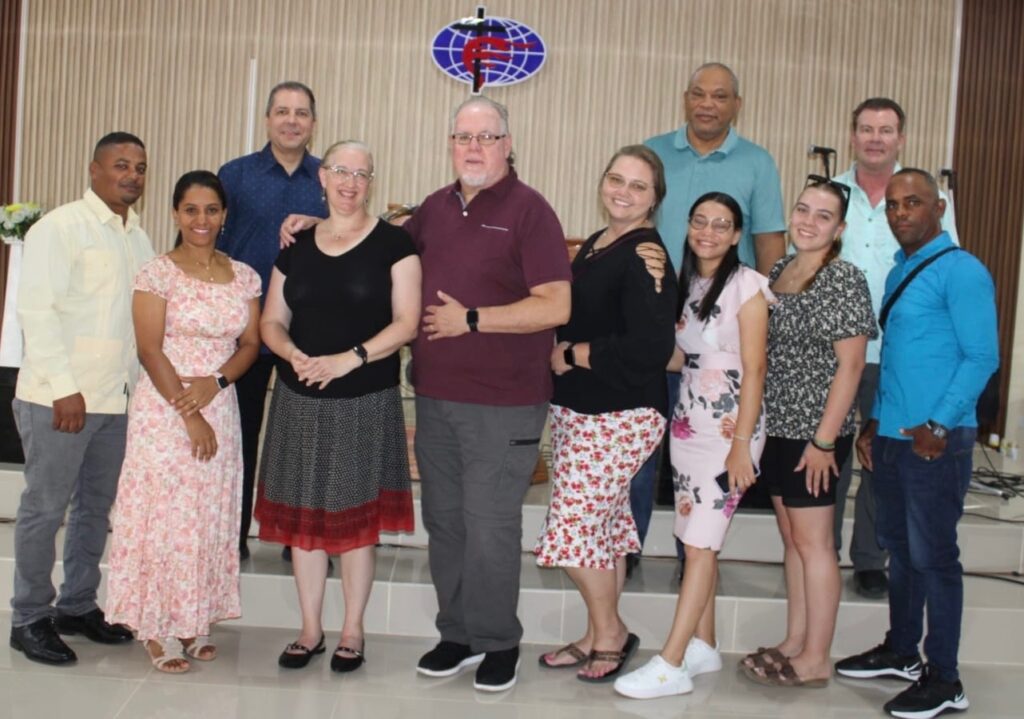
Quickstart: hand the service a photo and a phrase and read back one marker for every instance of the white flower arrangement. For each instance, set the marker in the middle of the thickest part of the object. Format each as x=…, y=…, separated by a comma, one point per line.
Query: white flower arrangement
x=17, y=218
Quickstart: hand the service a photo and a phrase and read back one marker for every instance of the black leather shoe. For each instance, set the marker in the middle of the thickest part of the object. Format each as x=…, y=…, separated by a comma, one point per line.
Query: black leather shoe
x=94, y=626
x=41, y=643
x=871, y=583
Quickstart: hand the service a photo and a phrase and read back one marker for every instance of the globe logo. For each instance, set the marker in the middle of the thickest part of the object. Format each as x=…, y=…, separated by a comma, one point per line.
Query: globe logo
x=488, y=51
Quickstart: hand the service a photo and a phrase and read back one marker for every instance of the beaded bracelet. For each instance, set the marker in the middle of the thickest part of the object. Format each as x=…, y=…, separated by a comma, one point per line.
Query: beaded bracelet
x=742, y=439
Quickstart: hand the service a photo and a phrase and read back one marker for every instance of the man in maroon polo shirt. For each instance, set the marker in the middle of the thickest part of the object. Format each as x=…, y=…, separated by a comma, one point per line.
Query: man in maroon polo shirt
x=495, y=284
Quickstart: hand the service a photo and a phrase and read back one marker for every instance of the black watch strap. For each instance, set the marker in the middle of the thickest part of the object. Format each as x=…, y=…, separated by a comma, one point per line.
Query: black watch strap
x=222, y=381
x=361, y=353
x=473, y=319
x=569, y=355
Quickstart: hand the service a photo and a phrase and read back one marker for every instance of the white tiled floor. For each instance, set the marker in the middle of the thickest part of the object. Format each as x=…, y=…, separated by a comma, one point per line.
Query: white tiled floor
x=245, y=681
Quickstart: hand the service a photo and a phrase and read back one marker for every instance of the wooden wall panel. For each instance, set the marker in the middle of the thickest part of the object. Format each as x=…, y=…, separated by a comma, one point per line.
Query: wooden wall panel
x=176, y=72
x=10, y=36
x=989, y=159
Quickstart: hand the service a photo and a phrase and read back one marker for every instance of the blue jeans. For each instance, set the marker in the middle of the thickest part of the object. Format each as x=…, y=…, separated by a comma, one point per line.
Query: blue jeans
x=918, y=504
x=645, y=481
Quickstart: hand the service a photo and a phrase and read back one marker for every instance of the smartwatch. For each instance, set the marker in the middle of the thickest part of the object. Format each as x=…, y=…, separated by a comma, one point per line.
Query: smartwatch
x=473, y=319
x=222, y=381
x=937, y=429
x=569, y=355
x=361, y=353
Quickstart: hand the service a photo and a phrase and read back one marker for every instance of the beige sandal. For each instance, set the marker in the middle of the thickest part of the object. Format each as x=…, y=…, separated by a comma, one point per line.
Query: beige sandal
x=200, y=648
x=170, y=652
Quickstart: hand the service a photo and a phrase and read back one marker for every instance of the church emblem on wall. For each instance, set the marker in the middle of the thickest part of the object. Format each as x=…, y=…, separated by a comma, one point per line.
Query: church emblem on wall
x=481, y=50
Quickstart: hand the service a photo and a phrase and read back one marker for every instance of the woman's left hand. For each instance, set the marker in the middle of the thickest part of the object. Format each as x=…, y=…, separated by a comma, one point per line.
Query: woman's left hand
x=198, y=392
x=558, y=365
x=818, y=468
x=321, y=370
x=740, y=467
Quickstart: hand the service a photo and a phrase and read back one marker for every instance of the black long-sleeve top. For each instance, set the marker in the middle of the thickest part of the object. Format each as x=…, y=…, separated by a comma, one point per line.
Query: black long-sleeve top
x=628, y=317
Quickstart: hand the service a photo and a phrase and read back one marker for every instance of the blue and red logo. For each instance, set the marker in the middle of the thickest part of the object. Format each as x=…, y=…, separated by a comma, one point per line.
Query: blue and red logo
x=488, y=51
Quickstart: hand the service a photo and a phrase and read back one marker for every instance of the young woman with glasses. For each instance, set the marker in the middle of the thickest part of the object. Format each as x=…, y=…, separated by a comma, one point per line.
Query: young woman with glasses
x=717, y=430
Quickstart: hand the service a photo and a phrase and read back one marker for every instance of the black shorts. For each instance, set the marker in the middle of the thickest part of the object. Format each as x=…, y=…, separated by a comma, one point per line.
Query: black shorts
x=779, y=458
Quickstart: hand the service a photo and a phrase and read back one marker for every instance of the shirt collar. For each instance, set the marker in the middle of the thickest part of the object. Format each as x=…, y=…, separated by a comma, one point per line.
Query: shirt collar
x=104, y=214
x=500, y=189
x=852, y=174
x=268, y=162
x=682, y=142
x=935, y=245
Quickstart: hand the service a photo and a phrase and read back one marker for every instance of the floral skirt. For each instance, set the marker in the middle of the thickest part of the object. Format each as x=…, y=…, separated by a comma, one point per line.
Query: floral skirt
x=702, y=427
x=594, y=457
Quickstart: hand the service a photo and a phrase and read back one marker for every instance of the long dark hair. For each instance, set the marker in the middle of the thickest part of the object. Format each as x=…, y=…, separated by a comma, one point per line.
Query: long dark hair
x=196, y=178
x=730, y=262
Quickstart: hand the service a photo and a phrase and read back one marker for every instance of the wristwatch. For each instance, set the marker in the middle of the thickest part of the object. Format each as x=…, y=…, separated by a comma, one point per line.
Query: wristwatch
x=361, y=353
x=222, y=381
x=937, y=429
x=473, y=320
x=569, y=355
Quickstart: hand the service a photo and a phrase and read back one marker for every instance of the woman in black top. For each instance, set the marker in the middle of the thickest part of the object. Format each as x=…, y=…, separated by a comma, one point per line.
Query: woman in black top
x=610, y=405
x=335, y=472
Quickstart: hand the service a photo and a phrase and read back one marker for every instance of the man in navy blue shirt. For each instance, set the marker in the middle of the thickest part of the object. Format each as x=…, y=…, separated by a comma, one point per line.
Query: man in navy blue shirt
x=939, y=350
x=263, y=188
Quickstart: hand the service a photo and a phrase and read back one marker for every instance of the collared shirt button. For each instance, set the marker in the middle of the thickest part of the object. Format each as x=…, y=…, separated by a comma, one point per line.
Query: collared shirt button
x=465, y=214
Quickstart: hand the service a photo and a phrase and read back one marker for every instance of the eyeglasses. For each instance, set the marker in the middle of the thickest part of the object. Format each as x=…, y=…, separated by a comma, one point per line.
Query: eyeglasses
x=361, y=177
x=617, y=182
x=485, y=139
x=719, y=225
x=842, y=189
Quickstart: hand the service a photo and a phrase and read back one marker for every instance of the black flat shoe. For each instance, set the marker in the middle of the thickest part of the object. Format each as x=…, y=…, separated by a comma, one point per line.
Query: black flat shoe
x=346, y=664
x=41, y=643
x=296, y=656
x=94, y=625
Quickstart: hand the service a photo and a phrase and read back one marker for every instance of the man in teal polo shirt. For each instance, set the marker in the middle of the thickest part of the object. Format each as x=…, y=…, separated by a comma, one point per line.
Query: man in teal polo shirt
x=707, y=154
x=876, y=139
x=703, y=155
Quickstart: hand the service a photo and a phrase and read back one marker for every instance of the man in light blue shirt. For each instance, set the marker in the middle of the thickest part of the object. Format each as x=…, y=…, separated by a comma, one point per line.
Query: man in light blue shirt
x=876, y=138
x=939, y=349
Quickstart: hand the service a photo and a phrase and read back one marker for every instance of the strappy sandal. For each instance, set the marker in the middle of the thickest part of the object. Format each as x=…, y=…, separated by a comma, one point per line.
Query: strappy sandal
x=296, y=656
x=347, y=664
x=170, y=651
x=619, y=658
x=784, y=676
x=767, y=658
x=571, y=649
x=200, y=648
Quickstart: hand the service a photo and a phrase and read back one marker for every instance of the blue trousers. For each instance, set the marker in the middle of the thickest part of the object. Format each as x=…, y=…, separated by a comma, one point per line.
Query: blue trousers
x=918, y=504
x=644, y=484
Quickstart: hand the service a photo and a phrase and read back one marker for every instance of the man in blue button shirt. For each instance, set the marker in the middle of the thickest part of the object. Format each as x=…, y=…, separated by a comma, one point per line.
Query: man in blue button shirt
x=876, y=139
x=939, y=349
x=263, y=188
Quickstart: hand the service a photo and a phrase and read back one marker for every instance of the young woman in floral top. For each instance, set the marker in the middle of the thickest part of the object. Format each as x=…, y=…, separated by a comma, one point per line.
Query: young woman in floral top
x=817, y=335
x=717, y=430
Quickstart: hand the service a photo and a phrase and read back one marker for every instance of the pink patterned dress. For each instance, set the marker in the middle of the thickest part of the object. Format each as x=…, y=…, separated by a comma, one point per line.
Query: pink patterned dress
x=704, y=419
x=174, y=550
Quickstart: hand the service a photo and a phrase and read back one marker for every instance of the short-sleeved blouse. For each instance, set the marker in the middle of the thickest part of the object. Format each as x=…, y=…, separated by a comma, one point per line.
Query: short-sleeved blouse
x=802, y=363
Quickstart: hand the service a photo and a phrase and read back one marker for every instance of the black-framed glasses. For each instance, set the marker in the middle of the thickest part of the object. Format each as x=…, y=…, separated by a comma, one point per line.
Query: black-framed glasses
x=485, y=139
x=840, y=187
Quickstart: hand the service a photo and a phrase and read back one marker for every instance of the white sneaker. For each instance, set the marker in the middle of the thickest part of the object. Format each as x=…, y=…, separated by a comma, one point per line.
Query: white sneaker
x=656, y=678
x=702, y=658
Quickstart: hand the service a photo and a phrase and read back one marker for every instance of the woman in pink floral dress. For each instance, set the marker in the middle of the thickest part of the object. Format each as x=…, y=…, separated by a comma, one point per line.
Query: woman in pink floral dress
x=174, y=551
x=717, y=430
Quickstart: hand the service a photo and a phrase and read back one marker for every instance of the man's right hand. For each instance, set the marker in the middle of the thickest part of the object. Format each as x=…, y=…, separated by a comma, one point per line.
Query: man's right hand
x=293, y=224
x=69, y=413
x=867, y=436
